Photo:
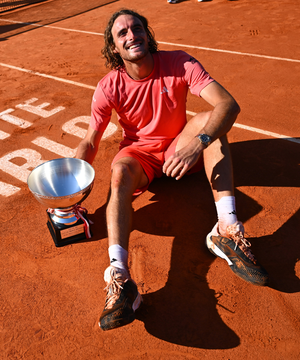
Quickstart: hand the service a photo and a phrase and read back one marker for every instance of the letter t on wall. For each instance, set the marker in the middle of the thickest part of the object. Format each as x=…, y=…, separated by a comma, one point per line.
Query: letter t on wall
x=39, y=109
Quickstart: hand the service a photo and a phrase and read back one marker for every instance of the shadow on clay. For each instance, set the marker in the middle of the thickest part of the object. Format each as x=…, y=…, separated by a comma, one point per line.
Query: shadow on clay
x=273, y=164
x=184, y=311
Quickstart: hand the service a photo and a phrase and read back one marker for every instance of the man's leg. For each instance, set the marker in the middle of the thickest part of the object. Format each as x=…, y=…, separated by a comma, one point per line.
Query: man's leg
x=218, y=169
x=227, y=237
x=217, y=158
x=127, y=176
x=123, y=297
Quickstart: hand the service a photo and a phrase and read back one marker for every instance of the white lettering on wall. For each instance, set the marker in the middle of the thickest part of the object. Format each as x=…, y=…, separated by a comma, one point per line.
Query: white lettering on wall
x=13, y=119
x=32, y=157
x=10, y=163
x=7, y=189
x=111, y=128
x=3, y=135
x=39, y=109
x=54, y=147
x=70, y=127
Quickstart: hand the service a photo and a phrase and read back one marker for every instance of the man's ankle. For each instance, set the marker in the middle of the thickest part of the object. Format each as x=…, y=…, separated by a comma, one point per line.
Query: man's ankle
x=226, y=213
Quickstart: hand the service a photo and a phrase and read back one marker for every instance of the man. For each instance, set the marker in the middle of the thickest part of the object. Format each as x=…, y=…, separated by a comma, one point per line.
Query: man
x=148, y=90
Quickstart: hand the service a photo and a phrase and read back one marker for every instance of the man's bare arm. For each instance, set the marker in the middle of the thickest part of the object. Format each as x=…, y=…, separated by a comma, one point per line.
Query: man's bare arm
x=88, y=147
x=219, y=123
x=224, y=113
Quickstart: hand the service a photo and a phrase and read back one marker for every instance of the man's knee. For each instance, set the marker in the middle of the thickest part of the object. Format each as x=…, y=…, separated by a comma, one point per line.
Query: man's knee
x=126, y=175
x=121, y=175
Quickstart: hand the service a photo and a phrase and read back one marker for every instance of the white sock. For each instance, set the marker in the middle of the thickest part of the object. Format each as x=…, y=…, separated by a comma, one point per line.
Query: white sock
x=226, y=213
x=118, y=256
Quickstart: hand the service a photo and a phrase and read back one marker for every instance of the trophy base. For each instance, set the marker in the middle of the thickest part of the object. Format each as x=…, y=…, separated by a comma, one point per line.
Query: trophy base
x=66, y=234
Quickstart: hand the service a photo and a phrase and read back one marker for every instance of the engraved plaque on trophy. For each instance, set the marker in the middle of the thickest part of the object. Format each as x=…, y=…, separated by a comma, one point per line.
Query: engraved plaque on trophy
x=61, y=185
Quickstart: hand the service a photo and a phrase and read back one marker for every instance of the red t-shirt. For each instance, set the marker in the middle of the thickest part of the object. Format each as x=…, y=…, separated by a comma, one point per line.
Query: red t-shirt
x=154, y=108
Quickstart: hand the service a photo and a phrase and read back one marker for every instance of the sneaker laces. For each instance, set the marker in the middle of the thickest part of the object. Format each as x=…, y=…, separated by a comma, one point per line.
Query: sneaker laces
x=236, y=233
x=115, y=284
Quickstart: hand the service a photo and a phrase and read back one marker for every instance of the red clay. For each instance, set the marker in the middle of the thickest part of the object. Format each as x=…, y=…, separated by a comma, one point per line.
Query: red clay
x=194, y=306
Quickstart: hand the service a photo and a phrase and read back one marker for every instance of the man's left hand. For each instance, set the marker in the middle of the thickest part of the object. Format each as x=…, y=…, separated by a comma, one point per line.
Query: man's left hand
x=181, y=161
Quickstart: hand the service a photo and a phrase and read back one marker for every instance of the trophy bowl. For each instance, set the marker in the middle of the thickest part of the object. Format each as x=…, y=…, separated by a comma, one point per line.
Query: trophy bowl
x=60, y=185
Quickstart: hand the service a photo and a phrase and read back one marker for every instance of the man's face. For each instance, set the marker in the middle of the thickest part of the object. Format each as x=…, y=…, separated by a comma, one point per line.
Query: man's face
x=130, y=38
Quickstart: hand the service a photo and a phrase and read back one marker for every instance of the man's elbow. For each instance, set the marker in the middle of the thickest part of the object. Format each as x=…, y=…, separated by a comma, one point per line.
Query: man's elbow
x=233, y=111
x=235, y=108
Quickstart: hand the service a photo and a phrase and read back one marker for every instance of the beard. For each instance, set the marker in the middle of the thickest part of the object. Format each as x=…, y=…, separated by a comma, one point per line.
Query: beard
x=134, y=56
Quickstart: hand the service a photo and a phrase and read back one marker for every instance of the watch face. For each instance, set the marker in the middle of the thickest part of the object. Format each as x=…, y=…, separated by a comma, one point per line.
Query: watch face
x=205, y=139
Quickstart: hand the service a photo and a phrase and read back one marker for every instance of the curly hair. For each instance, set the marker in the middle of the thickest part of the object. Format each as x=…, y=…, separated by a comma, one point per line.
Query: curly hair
x=113, y=60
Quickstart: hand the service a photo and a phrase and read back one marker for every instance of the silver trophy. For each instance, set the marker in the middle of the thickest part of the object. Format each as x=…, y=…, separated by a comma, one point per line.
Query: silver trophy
x=61, y=185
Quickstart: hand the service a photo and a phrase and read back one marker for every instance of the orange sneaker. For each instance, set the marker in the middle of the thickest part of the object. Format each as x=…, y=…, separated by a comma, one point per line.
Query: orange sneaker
x=235, y=249
x=122, y=299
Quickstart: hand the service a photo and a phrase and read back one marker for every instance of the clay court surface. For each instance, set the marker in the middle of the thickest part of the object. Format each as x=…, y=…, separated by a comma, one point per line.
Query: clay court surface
x=194, y=306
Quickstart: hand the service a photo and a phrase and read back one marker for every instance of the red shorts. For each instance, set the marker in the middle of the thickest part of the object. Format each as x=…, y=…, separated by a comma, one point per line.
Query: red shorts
x=152, y=157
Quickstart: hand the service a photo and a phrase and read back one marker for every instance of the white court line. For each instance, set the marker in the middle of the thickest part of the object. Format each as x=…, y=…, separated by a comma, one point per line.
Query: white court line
x=49, y=76
x=164, y=43
x=52, y=27
x=231, y=52
x=264, y=132
x=245, y=127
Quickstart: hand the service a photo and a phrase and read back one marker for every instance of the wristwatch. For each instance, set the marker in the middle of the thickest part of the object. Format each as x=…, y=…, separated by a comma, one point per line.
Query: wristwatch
x=204, y=139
